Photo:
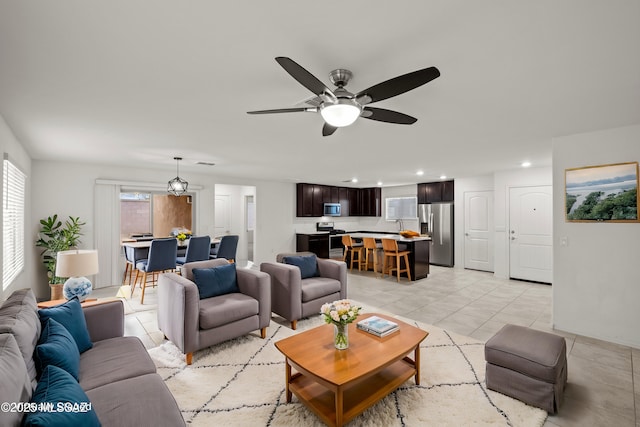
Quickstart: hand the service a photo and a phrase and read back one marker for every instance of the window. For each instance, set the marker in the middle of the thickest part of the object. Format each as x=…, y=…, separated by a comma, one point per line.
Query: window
x=401, y=208
x=145, y=214
x=13, y=189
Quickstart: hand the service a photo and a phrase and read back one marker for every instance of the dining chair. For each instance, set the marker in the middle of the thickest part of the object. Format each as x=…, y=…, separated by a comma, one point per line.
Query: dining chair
x=129, y=264
x=352, y=249
x=132, y=256
x=162, y=257
x=197, y=250
x=392, y=259
x=371, y=249
x=227, y=248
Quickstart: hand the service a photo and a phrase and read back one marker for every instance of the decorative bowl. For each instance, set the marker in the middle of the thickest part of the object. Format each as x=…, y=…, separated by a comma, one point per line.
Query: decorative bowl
x=409, y=234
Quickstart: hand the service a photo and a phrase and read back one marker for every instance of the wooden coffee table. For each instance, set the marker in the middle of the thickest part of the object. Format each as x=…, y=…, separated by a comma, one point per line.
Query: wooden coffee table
x=340, y=384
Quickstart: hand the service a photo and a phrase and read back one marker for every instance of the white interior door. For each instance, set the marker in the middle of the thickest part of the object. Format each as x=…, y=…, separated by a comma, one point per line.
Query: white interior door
x=530, y=233
x=222, y=214
x=478, y=230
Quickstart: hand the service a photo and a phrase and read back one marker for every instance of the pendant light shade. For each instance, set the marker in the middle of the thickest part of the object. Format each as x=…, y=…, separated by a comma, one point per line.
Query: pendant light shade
x=177, y=186
x=343, y=113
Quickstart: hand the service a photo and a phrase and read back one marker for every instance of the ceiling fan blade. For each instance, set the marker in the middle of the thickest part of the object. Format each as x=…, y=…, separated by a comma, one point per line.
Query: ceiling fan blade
x=388, y=116
x=327, y=129
x=397, y=85
x=304, y=77
x=284, y=110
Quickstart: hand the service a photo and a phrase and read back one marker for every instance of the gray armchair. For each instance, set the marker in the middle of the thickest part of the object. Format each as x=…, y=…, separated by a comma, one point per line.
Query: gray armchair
x=192, y=323
x=295, y=298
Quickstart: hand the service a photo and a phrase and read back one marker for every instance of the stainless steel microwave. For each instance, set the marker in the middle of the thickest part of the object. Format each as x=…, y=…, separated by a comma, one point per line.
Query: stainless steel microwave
x=331, y=209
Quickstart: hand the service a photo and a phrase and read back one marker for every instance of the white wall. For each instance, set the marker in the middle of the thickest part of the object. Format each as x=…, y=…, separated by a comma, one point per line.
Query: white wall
x=503, y=181
x=73, y=194
x=596, y=285
x=19, y=157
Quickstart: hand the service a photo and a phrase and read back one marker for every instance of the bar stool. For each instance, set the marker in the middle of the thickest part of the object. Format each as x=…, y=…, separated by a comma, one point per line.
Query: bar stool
x=391, y=254
x=355, y=249
x=371, y=248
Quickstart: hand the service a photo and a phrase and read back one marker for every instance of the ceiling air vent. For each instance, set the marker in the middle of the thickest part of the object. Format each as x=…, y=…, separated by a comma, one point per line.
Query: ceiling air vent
x=205, y=163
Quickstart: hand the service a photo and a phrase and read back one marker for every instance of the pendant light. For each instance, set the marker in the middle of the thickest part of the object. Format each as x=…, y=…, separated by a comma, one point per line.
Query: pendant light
x=177, y=186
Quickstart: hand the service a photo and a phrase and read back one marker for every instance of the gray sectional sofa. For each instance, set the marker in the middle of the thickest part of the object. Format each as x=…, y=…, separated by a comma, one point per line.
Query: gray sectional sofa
x=117, y=374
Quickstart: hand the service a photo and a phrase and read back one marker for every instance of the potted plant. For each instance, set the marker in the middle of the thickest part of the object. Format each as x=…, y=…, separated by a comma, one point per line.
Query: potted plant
x=54, y=236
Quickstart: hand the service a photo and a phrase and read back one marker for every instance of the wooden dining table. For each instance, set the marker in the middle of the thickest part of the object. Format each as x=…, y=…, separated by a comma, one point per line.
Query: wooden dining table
x=141, y=248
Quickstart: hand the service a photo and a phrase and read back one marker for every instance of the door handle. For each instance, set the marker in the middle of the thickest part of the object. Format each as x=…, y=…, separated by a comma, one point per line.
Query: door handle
x=513, y=237
x=466, y=234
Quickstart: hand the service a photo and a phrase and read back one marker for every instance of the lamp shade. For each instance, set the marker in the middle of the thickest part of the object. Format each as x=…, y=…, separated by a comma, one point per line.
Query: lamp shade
x=77, y=262
x=341, y=114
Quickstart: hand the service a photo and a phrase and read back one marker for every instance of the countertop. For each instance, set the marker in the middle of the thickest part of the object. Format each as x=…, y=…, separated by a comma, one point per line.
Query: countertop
x=382, y=235
x=375, y=234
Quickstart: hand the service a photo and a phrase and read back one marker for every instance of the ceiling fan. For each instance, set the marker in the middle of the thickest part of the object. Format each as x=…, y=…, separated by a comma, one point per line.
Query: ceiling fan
x=340, y=107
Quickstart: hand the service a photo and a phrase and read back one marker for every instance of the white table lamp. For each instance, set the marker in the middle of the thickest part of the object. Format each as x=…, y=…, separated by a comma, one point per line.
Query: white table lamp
x=75, y=264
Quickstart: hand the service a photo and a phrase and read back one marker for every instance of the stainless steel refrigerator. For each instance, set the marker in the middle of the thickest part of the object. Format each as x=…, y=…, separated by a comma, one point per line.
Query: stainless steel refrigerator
x=436, y=220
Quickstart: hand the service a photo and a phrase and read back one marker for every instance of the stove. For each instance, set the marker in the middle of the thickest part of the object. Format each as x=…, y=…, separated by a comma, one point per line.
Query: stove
x=335, y=241
x=328, y=226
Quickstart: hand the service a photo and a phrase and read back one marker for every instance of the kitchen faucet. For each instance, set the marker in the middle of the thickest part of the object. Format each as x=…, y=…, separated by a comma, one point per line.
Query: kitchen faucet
x=399, y=221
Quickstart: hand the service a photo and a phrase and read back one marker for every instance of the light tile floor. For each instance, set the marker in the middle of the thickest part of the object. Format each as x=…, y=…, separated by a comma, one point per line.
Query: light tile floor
x=604, y=378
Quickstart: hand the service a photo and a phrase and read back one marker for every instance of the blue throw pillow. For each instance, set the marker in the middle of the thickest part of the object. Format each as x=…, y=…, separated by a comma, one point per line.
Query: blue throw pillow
x=212, y=282
x=70, y=404
x=71, y=316
x=57, y=347
x=308, y=264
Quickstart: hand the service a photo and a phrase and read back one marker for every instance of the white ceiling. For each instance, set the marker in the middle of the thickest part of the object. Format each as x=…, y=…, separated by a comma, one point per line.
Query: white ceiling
x=139, y=82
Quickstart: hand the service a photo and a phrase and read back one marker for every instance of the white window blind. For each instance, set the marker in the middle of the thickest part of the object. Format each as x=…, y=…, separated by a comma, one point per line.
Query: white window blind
x=13, y=195
x=401, y=208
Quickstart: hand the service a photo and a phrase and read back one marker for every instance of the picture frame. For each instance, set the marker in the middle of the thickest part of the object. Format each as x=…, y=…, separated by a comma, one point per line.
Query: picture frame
x=603, y=193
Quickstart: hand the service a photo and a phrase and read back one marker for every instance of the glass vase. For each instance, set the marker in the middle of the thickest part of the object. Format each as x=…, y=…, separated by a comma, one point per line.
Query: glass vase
x=341, y=336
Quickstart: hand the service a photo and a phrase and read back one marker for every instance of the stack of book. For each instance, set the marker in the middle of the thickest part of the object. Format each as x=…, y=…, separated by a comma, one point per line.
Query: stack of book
x=377, y=326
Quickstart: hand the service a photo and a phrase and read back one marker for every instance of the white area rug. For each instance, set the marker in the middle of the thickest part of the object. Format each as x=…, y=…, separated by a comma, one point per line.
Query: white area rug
x=241, y=383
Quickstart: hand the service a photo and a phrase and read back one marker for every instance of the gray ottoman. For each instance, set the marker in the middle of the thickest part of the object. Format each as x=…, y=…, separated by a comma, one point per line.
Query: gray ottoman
x=527, y=365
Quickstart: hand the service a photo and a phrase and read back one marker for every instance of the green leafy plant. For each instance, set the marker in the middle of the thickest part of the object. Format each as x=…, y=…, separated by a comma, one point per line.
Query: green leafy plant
x=54, y=236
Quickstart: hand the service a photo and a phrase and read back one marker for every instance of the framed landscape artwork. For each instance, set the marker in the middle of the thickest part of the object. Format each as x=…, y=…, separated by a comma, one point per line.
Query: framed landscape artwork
x=602, y=193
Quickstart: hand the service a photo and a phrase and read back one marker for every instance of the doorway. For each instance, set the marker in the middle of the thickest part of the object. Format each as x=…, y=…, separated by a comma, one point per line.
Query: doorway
x=222, y=224
x=235, y=207
x=478, y=230
x=531, y=233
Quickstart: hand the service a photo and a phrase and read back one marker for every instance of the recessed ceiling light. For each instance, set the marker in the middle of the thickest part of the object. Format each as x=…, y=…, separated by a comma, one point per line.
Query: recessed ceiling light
x=380, y=183
x=526, y=164
x=354, y=180
x=443, y=176
x=420, y=173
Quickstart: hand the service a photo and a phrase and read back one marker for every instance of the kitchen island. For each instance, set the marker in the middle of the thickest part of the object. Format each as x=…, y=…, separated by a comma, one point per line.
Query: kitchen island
x=418, y=248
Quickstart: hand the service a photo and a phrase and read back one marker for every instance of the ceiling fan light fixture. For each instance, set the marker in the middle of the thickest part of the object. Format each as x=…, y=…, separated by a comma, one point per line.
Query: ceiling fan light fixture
x=341, y=114
x=177, y=186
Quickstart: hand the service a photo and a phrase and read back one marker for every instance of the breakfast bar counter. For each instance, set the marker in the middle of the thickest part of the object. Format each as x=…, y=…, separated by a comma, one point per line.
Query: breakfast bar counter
x=418, y=248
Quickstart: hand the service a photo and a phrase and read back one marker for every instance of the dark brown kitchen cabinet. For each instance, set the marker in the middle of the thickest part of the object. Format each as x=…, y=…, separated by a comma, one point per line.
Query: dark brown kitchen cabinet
x=344, y=200
x=434, y=192
x=317, y=243
x=310, y=200
x=354, y=202
x=318, y=200
x=304, y=200
x=335, y=194
x=447, y=191
x=370, y=201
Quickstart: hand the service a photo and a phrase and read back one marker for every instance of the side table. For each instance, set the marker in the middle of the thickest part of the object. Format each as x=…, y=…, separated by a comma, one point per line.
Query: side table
x=86, y=303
